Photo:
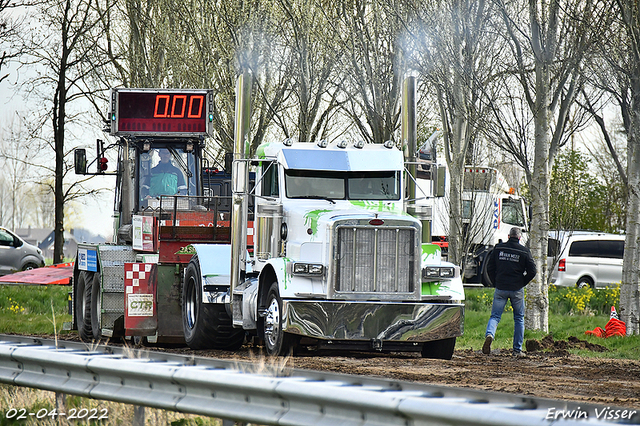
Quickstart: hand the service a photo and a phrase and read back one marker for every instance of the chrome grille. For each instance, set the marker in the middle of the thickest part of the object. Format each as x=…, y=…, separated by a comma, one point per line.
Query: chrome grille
x=375, y=260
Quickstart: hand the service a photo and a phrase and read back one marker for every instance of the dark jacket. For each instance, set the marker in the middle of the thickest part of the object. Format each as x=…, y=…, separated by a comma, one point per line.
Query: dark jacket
x=511, y=266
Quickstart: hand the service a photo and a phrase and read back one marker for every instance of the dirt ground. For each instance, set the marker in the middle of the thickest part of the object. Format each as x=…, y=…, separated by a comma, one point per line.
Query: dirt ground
x=549, y=370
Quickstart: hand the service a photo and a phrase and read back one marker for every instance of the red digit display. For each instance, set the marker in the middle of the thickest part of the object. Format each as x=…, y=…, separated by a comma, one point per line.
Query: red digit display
x=160, y=112
x=179, y=103
x=162, y=107
x=195, y=106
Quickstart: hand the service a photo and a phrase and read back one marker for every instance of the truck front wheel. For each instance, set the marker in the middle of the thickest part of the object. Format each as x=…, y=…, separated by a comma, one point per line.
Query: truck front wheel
x=276, y=341
x=84, y=288
x=205, y=325
x=439, y=349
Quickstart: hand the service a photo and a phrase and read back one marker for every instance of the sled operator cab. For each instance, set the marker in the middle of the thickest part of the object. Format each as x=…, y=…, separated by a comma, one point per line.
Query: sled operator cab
x=160, y=207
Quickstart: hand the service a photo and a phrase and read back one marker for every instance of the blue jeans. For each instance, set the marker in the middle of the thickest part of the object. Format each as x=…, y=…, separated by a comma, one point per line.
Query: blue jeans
x=500, y=298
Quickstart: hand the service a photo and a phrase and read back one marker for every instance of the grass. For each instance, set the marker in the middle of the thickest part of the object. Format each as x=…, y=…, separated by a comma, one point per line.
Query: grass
x=16, y=401
x=28, y=309
x=572, y=312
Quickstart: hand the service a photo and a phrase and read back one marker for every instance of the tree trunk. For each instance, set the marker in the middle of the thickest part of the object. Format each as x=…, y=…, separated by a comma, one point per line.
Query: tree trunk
x=59, y=116
x=537, y=302
x=630, y=287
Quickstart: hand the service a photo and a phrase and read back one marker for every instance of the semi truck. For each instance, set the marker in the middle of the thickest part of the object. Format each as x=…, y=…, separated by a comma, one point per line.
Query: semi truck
x=317, y=250
x=490, y=208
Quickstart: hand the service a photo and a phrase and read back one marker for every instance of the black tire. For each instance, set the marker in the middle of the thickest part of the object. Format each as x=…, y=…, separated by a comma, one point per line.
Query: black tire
x=96, y=307
x=29, y=266
x=205, y=325
x=439, y=349
x=82, y=298
x=276, y=341
x=486, y=279
x=585, y=282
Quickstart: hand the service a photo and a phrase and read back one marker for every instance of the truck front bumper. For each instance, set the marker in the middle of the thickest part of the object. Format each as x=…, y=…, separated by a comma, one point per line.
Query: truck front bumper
x=373, y=321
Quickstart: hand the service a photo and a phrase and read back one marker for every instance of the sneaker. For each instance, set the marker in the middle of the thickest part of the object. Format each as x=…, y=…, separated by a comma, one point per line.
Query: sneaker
x=486, y=348
x=519, y=354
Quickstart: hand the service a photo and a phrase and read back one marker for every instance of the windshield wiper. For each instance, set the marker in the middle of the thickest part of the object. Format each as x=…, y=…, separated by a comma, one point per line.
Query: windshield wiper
x=316, y=197
x=180, y=162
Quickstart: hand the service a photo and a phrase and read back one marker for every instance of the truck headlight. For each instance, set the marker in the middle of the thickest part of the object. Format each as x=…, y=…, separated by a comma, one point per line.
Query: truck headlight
x=447, y=272
x=431, y=272
x=308, y=269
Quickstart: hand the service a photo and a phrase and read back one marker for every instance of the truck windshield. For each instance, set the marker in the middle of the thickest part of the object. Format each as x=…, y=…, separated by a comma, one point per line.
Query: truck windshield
x=166, y=171
x=512, y=212
x=342, y=185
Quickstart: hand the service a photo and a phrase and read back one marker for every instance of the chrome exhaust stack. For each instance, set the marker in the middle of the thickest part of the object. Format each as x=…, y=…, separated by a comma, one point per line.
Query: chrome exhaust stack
x=410, y=146
x=240, y=185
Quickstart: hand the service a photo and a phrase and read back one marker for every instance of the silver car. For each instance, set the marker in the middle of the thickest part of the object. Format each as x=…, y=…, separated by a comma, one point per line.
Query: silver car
x=16, y=254
x=586, y=259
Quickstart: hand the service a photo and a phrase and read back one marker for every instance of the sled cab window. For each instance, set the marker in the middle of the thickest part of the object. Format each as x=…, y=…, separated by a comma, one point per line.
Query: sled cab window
x=166, y=171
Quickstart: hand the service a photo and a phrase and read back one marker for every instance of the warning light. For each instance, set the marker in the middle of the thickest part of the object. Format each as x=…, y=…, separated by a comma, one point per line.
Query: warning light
x=102, y=165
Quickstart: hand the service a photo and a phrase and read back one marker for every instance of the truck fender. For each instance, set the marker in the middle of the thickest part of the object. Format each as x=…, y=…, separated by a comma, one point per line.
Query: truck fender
x=274, y=270
x=215, y=268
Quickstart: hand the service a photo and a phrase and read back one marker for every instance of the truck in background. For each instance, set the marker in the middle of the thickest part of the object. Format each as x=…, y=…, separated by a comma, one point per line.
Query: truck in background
x=490, y=208
x=328, y=258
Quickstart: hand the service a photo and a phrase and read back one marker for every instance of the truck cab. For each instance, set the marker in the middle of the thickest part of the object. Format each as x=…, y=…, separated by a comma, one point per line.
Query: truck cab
x=333, y=243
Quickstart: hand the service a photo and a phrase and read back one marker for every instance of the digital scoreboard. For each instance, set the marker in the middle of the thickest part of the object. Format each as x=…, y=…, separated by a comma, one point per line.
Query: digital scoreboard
x=161, y=112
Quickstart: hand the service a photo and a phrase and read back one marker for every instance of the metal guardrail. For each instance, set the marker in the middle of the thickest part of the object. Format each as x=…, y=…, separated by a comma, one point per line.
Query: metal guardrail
x=273, y=396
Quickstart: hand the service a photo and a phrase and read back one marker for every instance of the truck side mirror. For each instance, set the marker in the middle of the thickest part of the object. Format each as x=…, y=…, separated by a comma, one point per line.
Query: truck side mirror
x=80, y=161
x=439, y=177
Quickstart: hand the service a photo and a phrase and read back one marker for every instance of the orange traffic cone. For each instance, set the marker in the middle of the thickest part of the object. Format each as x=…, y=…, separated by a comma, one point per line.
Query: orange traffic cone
x=614, y=314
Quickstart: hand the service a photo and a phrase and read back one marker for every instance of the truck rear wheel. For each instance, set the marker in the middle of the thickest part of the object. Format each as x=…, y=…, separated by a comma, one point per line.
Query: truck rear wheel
x=96, y=305
x=276, y=341
x=439, y=349
x=84, y=290
x=205, y=325
x=486, y=279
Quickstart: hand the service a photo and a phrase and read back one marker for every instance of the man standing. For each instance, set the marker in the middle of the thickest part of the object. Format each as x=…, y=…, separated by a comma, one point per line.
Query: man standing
x=510, y=269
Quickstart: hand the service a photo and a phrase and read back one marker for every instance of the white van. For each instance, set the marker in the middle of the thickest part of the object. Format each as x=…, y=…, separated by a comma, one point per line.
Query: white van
x=586, y=259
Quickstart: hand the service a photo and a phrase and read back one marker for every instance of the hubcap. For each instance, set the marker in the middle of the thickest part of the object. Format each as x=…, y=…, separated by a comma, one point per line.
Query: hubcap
x=272, y=323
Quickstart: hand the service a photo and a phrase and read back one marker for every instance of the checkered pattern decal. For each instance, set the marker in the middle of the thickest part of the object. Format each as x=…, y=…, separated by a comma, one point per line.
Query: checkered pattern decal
x=135, y=274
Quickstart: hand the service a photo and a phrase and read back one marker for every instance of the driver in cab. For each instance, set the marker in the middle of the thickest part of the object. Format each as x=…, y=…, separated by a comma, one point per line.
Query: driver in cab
x=166, y=179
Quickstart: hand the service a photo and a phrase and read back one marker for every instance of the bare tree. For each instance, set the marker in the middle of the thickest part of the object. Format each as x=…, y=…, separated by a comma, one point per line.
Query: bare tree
x=629, y=66
x=206, y=43
x=65, y=50
x=548, y=40
x=373, y=65
x=8, y=30
x=15, y=167
x=453, y=47
x=310, y=38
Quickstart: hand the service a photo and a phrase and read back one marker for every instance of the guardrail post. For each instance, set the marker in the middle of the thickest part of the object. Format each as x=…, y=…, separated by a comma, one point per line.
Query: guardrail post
x=231, y=423
x=138, y=415
x=61, y=402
